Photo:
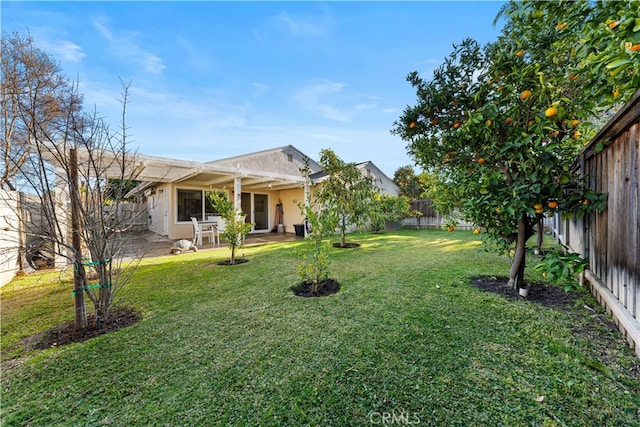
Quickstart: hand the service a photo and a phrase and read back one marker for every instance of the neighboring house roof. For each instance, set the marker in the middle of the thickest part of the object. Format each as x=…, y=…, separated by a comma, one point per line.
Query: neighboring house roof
x=368, y=168
x=386, y=184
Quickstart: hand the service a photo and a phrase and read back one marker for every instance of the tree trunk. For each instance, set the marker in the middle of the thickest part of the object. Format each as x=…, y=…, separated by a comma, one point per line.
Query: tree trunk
x=79, y=275
x=540, y=233
x=516, y=274
x=105, y=276
x=343, y=237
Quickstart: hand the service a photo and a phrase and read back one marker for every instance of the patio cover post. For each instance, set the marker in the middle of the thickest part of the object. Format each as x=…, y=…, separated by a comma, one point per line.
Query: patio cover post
x=237, y=191
x=307, y=203
x=61, y=206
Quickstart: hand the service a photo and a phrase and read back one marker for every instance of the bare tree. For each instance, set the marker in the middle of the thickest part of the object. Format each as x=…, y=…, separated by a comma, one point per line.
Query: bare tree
x=71, y=160
x=80, y=164
x=33, y=97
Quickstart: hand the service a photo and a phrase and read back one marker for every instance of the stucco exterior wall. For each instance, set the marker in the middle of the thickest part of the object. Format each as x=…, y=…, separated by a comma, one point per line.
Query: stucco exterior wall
x=291, y=211
x=183, y=230
x=10, y=240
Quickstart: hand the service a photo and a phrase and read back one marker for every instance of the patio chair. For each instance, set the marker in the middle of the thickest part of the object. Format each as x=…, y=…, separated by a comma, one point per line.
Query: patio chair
x=199, y=231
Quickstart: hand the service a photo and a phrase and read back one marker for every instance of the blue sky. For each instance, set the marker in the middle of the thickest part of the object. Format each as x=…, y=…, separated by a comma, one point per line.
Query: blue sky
x=216, y=79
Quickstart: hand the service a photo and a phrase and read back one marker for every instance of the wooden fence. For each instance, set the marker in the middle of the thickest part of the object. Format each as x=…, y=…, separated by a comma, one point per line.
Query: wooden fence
x=430, y=218
x=611, y=239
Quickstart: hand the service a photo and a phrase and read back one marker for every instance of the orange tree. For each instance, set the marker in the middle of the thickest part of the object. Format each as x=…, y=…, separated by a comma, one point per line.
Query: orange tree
x=500, y=126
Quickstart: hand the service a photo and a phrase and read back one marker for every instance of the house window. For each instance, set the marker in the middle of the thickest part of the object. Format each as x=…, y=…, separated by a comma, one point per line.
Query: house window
x=290, y=157
x=189, y=204
x=194, y=203
x=209, y=209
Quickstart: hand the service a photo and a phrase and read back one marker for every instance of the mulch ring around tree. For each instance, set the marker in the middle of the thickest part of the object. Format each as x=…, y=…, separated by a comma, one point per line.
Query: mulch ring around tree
x=119, y=317
x=347, y=245
x=237, y=261
x=539, y=293
x=328, y=287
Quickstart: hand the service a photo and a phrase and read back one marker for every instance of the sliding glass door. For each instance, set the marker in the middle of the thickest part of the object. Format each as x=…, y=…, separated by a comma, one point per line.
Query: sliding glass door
x=256, y=207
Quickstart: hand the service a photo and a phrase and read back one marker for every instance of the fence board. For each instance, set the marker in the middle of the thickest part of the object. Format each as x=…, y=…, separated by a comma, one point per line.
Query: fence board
x=612, y=237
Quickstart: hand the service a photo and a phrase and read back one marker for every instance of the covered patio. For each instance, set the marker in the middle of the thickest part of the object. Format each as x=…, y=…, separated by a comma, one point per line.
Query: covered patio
x=148, y=244
x=172, y=191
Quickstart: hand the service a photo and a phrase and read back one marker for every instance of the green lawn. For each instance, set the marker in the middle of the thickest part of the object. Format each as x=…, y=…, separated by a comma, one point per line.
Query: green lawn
x=407, y=338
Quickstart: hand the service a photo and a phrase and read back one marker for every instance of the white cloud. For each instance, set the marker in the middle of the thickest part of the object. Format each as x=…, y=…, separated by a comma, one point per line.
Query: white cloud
x=301, y=26
x=331, y=101
x=195, y=58
x=103, y=30
x=152, y=63
x=260, y=88
x=125, y=45
x=67, y=51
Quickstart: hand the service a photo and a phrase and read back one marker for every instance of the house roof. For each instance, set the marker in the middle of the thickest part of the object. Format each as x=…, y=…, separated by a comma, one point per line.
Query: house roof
x=384, y=182
x=287, y=149
x=273, y=169
x=155, y=169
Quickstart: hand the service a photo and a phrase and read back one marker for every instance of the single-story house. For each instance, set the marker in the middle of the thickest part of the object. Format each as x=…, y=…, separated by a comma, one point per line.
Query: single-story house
x=174, y=190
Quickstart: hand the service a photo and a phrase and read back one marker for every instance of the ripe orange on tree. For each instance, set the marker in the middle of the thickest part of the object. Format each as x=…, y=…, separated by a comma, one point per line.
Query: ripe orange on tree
x=434, y=121
x=476, y=231
x=551, y=111
x=576, y=135
x=575, y=122
x=632, y=47
x=520, y=53
x=412, y=125
x=561, y=26
x=456, y=125
x=481, y=161
x=509, y=120
x=488, y=122
x=552, y=204
x=525, y=94
x=451, y=228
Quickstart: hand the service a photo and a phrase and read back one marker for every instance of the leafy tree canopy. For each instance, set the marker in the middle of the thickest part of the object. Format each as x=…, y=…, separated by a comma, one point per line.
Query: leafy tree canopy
x=500, y=126
x=346, y=190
